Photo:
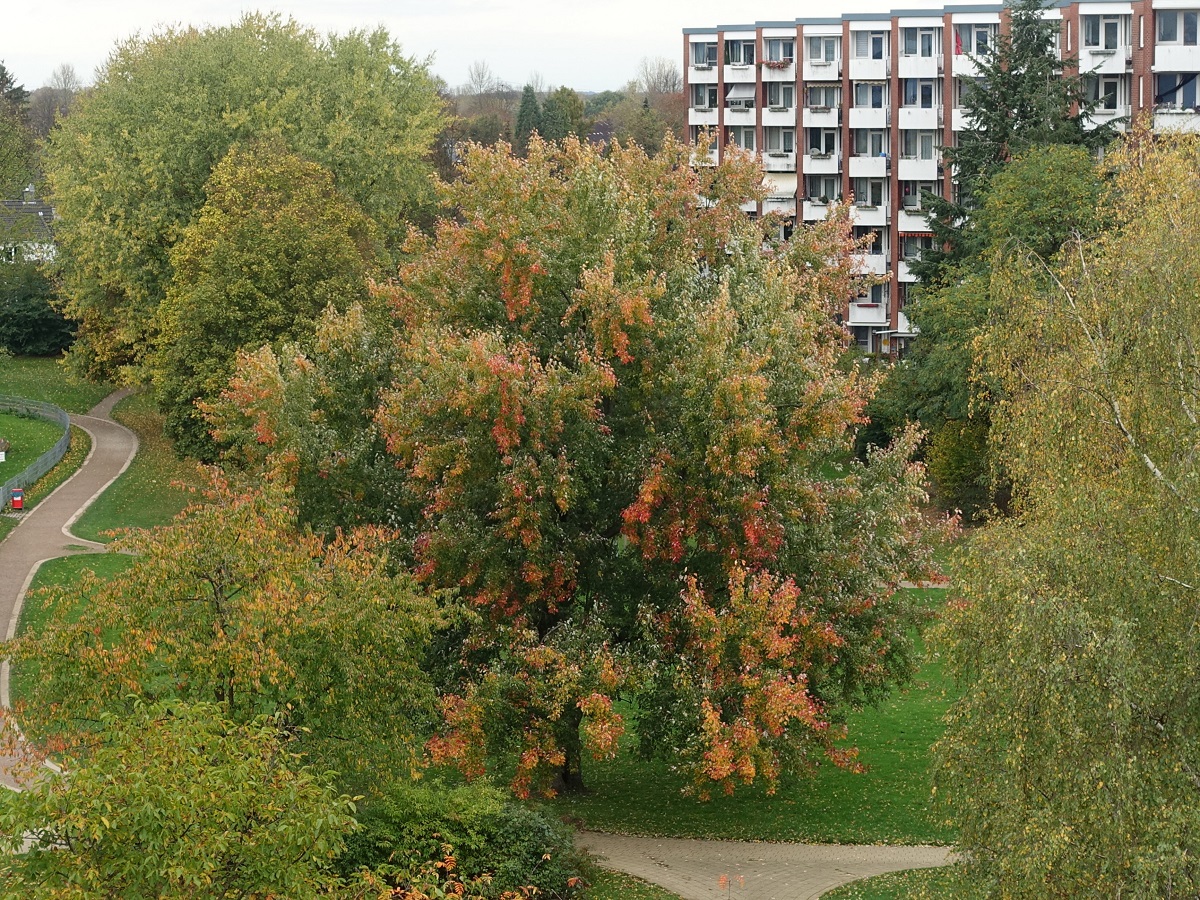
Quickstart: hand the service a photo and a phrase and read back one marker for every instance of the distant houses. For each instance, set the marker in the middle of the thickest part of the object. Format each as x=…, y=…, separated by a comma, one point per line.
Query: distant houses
x=26, y=228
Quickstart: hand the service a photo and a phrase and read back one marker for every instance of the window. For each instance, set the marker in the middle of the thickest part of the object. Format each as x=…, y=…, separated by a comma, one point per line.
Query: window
x=704, y=54
x=919, y=42
x=822, y=141
x=739, y=96
x=1177, y=90
x=919, y=92
x=1101, y=32
x=739, y=53
x=741, y=136
x=697, y=131
x=1103, y=91
x=912, y=191
x=824, y=188
x=913, y=245
x=704, y=96
x=781, y=95
x=823, y=49
x=1177, y=26
x=870, y=44
x=780, y=49
x=870, y=142
x=825, y=96
x=869, y=192
x=871, y=94
x=780, y=140
x=975, y=39
x=918, y=144
x=872, y=240
x=874, y=293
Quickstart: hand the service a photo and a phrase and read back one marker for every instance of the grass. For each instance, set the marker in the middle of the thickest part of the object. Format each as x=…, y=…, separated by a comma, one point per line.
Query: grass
x=29, y=438
x=889, y=804
x=607, y=885
x=148, y=494
x=44, y=378
x=76, y=453
x=917, y=884
x=35, y=612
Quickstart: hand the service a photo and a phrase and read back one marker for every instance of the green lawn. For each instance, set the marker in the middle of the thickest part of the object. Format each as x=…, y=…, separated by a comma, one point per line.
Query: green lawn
x=43, y=378
x=889, y=804
x=35, y=611
x=29, y=438
x=608, y=885
x=148, y=494
x=77, y=452
x=915, y=884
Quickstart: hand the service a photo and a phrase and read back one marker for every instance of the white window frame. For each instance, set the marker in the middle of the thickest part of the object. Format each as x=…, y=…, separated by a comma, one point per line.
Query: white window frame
x=778, y=139
x=704, y=55
x=823, y=48
x=739, y=52
x=822, y=141
x=779, y=49
x=781, y=95
x=873, y=91
x=704, y=96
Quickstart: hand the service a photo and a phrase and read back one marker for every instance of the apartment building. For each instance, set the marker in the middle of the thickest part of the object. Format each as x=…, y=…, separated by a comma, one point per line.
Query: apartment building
x=858, y=108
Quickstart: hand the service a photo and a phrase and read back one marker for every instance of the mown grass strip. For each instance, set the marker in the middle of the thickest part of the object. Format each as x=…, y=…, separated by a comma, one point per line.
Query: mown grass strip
x=44, y=378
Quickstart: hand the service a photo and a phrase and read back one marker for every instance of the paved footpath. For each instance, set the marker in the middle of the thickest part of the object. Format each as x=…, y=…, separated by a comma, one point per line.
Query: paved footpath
x=45, y=531
x=693, y=869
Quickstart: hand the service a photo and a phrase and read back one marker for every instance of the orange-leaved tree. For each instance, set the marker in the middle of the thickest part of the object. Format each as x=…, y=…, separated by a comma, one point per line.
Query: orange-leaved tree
x=620, y=429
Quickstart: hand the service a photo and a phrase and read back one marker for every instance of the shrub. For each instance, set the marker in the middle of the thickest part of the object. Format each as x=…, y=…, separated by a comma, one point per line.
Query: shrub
x=491, y=835
x=29, y=325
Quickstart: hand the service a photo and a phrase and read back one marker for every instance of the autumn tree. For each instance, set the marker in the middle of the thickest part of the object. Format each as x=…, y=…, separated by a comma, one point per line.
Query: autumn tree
x=1071, y=762
x=130, y=165
x=53, y=100
x=274, y=245
x=229, y=605
x=614, y=418
x=175, y=800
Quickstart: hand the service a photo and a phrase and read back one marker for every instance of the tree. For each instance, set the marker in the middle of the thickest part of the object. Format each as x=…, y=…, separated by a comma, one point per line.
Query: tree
x=659, y=76
x=229, y=605
x=1024, y=97
x=1070, y=764
x=610, y=416
x=1035, y=203
x=167, y=107
x=16, y=142
x=272, y=247
x=175, y=800
x=13, y=96
x=53, y=100
x=29, y=324
x=562, y=114
x=529, y=120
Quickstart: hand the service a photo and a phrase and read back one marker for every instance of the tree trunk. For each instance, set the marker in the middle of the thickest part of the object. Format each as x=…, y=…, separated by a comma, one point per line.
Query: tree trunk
x=570, y=776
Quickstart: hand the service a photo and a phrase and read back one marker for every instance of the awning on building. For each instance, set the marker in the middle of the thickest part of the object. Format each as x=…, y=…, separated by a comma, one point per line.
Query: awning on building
x=740, y=92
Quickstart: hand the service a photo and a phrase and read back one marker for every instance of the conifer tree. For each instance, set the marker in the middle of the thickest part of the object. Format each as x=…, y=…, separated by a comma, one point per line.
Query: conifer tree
x=529, y=120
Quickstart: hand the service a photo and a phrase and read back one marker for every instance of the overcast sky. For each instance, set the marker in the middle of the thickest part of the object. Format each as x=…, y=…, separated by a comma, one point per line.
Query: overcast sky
x=587, y=46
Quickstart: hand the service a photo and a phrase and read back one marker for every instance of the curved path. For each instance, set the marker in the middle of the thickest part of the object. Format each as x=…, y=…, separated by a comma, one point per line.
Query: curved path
x=716, y=870
x=45, y=531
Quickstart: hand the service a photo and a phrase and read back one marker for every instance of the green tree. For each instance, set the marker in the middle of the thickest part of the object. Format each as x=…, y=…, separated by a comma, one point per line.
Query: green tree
x=272, y=247
x=16, y=141
x=1071, y=762
x=529, y=120
x=175, y=800
x=230, y=605
x=29, y=324
x=129, y=166
x=612, y=415
x=562, y=114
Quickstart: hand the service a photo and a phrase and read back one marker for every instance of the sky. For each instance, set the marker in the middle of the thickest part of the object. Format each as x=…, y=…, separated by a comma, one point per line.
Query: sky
x=590, y=46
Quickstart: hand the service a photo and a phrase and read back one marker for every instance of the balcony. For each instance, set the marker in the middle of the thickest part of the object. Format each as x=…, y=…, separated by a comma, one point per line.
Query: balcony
x=821, y=70
x=1096, y=61
x=913, y=169
x=815, y=210
x=1114, y=117
x=739, y=115
x=868, y=313
x=912, y=219
x=920, y=118
x=779, y=203
x=1177, y=119
x=822, y=117
x=870, y=264
x=1176, y=58
x=822, y=163
x=862, y=69
x=871, y=216
x=777, y=161
x=958, y=119
x=783, y=116
x=740, y=75
x=774, y=71
x=705, y=159
x=870, y=166
x=870, y=117
x=921, y=66
x=703, y=115
x=903, y=273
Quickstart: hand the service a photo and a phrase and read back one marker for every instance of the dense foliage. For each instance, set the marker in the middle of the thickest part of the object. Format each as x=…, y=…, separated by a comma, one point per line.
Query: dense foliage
x=130, y=165
x=29, y=324
x=1071, y=763
x=615, y=423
